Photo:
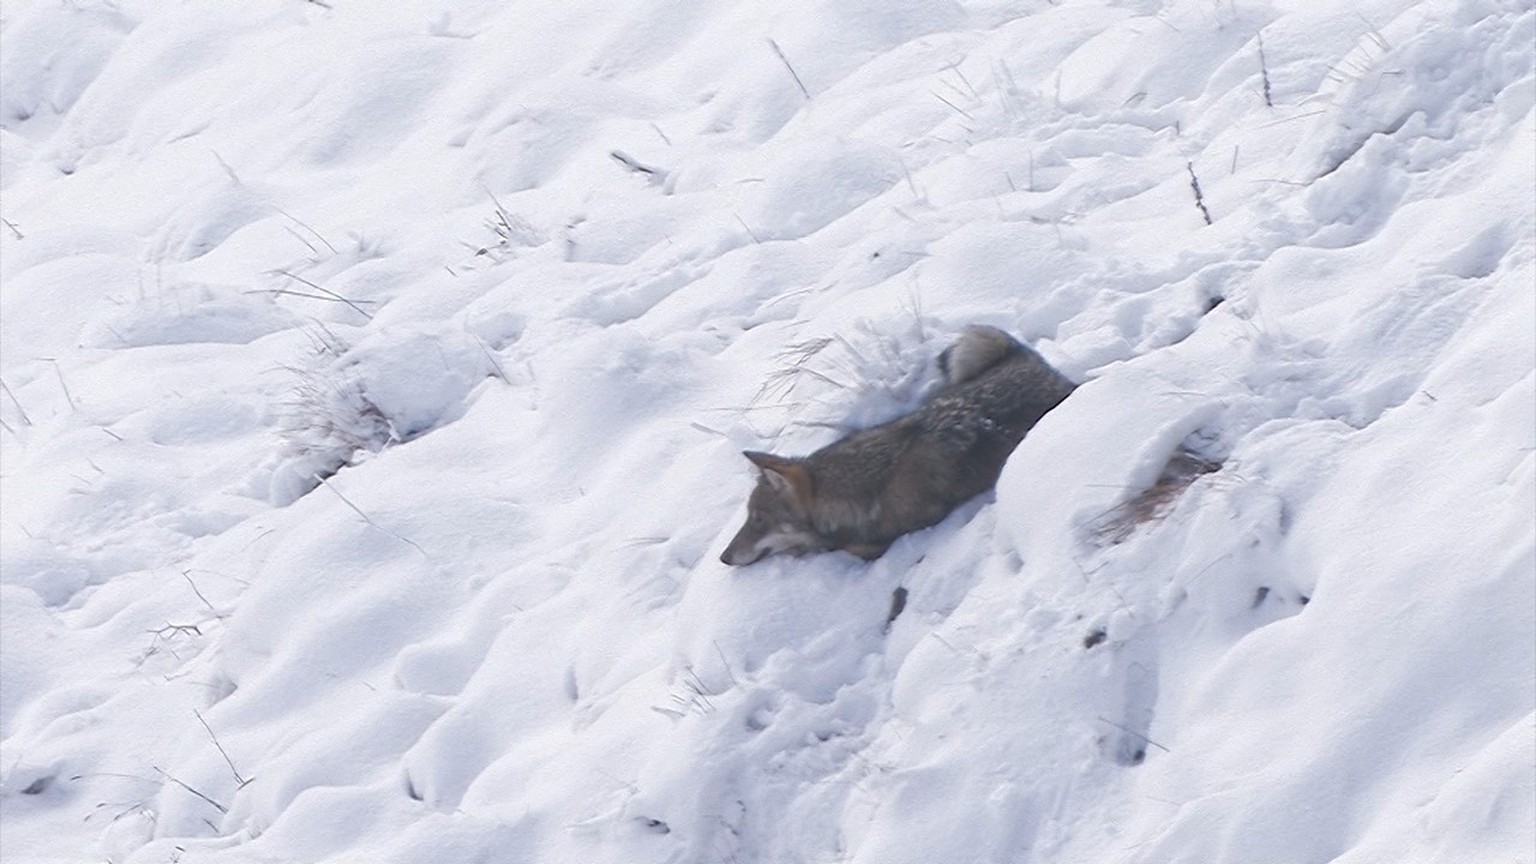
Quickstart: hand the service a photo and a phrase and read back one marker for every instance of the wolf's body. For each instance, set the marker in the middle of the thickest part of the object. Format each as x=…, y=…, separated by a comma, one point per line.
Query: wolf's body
x=861, y=493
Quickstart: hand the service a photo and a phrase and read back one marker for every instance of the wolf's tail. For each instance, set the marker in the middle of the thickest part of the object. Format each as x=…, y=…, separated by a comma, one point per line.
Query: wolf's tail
x=979, y=348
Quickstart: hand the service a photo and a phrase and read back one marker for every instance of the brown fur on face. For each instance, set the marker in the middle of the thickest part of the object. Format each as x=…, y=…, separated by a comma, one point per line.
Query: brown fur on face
x=777, y=513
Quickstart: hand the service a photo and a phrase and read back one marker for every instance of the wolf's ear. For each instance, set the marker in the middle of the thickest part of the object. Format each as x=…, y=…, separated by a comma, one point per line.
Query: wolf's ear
x=786, y=475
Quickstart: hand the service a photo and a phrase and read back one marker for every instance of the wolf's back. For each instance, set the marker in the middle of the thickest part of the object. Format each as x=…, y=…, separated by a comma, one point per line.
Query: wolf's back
x=883, y=482
x=967, y=431
x=995, y=381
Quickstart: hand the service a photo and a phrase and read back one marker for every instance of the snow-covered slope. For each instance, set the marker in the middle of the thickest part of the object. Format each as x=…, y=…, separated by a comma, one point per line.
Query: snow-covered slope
x=375, y=376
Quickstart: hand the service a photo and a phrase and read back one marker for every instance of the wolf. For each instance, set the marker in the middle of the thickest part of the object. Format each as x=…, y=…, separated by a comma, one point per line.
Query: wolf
x=861, y=493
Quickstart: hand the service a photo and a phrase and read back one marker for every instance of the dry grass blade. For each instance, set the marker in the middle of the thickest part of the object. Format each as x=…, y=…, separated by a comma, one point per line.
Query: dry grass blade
x=793, y=365
x=785, y=60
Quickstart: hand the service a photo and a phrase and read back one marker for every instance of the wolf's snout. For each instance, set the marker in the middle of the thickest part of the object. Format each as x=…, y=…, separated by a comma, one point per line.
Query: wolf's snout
x=740, y=554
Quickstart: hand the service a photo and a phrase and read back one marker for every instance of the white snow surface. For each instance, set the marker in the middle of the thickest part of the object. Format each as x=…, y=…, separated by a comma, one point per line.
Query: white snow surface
x=518, y=281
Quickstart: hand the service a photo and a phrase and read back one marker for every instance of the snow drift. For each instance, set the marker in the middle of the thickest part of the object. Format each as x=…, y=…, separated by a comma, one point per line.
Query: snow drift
x=375, y=376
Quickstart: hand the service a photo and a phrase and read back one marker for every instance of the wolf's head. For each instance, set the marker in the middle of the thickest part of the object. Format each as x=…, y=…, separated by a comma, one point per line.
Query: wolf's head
x=778, y=513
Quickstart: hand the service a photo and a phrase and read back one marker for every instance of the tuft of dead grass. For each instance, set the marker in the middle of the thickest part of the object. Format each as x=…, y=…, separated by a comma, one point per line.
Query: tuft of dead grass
x=1119, y=522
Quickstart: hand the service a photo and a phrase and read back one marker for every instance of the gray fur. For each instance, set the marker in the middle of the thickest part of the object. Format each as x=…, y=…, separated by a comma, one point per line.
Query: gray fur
x=861, y=493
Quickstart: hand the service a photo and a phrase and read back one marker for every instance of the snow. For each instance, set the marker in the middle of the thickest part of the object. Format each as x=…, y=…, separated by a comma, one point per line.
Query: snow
x=375, y=378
